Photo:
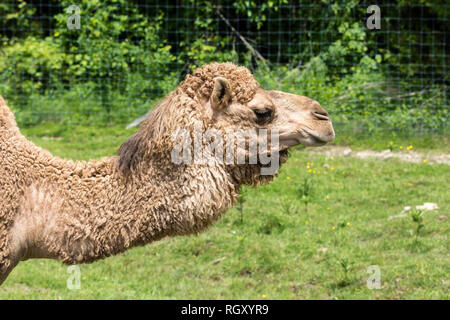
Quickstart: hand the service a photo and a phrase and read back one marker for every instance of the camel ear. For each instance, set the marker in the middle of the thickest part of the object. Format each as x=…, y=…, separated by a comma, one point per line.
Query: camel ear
x=221, y=94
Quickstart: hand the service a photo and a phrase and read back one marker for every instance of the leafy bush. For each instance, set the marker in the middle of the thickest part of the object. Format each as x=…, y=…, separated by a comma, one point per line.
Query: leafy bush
x=116, y=69
x=30, y=66
x=128, y=54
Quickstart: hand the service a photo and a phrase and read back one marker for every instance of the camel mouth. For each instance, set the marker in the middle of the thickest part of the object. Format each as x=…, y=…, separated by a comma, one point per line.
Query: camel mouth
x=314, y=141
x=286, y=143
x=307, y=138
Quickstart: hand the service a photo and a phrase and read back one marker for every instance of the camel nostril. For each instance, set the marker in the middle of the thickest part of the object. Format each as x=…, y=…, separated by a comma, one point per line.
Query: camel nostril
x=321, y=115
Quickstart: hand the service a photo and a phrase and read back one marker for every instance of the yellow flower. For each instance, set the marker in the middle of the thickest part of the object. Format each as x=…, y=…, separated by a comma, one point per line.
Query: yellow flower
x=314, y=171
x=425, y=160
x=264, y=296
x=288, y=178
x=333, y=228
x=349, y=223
x=332, y=168
x=332, y=158
x=401, y=147
x=309, y=170
x=327, y=197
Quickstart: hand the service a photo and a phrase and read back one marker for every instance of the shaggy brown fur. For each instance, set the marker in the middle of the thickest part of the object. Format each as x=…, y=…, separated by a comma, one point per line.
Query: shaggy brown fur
x=79, y=212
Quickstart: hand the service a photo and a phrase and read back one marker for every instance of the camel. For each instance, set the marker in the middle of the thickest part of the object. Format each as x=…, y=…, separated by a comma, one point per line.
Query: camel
x=79, y=212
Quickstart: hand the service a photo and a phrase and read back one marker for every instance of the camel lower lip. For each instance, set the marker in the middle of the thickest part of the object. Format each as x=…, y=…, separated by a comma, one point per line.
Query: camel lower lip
x=313, y=141
x=289, y=142
x=310, y=140
x=317, y=141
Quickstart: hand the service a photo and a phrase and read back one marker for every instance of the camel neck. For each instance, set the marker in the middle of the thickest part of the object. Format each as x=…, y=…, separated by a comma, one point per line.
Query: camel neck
x=98, y=212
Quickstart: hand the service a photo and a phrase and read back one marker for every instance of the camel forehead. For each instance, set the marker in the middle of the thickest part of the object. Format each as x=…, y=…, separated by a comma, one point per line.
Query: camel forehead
x=291, y=100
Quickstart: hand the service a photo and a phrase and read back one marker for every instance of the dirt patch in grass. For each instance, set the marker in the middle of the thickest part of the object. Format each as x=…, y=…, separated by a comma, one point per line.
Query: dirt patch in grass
x=408, y=156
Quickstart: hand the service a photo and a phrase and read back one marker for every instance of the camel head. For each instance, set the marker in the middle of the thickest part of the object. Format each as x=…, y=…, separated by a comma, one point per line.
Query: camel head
x=222, y=98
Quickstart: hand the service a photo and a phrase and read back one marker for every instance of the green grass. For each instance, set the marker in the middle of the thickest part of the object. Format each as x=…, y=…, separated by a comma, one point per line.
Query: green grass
x=294, y=240
x=389, y=138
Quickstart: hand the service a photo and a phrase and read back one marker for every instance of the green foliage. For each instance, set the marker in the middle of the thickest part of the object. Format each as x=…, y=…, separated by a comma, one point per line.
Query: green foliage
x=286, y=205
x=16, y=15
x=240, y=205
x=95, y=73
x=30, y=66
x=305, y=191
x=127, y=55
x=105, y=51
x=417, y=218
x=200, y=52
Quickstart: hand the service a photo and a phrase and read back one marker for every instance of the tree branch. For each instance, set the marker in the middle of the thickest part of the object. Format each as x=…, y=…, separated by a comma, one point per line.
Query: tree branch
x=249, y=47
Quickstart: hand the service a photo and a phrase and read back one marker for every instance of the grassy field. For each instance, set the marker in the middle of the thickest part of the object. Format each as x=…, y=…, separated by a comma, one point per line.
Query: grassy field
x=311, y=234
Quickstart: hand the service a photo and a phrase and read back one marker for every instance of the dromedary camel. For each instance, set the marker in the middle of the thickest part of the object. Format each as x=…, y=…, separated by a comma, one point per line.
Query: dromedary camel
x=79, y=212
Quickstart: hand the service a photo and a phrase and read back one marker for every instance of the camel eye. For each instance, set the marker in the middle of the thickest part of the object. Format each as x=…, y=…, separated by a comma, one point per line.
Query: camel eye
x=263, y=115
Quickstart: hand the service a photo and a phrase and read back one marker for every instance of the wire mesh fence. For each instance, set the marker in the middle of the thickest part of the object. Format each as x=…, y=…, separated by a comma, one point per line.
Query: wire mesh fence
x=369, y=63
